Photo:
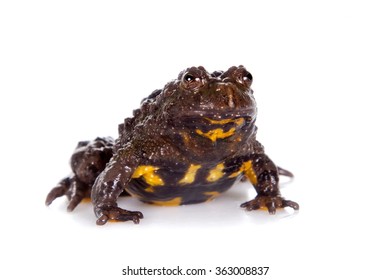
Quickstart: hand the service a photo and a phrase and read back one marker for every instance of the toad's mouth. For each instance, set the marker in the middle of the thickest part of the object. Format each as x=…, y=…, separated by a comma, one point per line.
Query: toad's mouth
x=224, y=114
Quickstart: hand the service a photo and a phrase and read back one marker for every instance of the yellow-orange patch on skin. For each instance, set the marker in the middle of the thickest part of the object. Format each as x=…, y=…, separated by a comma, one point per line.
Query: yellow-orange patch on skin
x=216, y=173
x=86, y=200
x=248, y=170
x=211, y=195
x=147, y=172
x=189, y=177
x=173, y=202
x=217, y=133
x=186, y=137
x=238, y=121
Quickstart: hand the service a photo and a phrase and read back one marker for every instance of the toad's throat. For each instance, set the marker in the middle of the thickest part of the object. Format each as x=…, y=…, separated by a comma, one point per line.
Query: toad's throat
x=220, y=133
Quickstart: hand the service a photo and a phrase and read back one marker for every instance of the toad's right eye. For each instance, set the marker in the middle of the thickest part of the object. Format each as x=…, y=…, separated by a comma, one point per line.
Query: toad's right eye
x=190, y=81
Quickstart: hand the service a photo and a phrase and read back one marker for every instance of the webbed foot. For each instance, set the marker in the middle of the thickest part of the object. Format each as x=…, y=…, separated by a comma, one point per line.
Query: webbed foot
x=270, y=203
x=106, y=213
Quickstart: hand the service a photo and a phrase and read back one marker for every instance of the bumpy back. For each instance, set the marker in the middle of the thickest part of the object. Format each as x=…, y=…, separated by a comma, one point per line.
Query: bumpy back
x=126, y=128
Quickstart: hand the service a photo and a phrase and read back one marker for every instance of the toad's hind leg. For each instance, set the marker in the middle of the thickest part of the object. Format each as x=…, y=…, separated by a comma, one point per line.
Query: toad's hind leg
x=58, y=191
x=73, y=188
x=76, y=193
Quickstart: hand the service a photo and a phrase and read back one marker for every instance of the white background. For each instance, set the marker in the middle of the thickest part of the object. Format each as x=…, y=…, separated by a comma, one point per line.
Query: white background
x=73, y=70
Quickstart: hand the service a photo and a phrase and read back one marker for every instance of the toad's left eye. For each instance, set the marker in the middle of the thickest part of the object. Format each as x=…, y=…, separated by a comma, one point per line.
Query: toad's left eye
x=247, y=77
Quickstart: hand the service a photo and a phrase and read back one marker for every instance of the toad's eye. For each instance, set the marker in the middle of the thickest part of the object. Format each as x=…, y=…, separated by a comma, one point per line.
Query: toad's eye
x=243, y=77
x=189, y=78
x=190, y=81
x=247, y=77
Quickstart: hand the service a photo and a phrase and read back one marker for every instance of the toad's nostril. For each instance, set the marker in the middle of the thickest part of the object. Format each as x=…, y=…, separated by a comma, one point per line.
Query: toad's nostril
x=227, y=93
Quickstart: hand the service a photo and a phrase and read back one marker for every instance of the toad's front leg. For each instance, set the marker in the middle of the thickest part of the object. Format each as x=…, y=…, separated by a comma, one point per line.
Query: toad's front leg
x=263, y=174
x=107, y=188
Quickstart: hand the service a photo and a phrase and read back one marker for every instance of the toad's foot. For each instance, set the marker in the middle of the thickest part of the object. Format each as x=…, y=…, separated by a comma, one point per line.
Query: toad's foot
x=61, y=189
x=270, y=203
x=106, y=213
x=74, y=189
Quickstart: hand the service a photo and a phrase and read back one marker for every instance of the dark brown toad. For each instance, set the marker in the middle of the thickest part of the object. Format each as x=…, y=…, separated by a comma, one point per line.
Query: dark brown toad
x=188, y=143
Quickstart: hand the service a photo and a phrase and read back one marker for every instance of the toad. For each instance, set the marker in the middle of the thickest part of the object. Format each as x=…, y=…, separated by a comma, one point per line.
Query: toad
x=187, y=143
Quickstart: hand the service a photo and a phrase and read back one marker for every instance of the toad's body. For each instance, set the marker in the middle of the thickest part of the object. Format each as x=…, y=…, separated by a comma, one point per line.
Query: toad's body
x=185, y=183
x=186, y=144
